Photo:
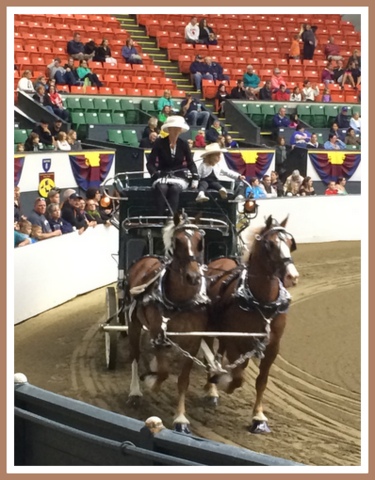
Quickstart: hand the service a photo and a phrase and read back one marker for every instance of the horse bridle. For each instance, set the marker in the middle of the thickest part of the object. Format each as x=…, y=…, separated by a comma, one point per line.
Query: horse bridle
x=282, y=234
x=186, y=228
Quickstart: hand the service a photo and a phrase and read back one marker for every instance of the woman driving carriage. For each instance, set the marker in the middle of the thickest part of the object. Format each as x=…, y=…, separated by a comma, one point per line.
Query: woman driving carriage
x=167, y=165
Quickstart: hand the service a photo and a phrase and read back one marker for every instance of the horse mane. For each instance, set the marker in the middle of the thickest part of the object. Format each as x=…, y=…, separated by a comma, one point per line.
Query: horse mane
x=248, y=237
x=168, y=232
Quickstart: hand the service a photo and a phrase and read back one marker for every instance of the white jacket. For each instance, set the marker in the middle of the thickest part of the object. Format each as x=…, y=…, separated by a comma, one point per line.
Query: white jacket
x=204, y=170
x=192, y=32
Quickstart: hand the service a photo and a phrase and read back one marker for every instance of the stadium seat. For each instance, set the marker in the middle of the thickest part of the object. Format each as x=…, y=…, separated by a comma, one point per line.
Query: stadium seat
x=118, y=118
x=254, y=111
x=148, y=106
x=318, y=116
x=100, y=104
x=87, y=103
x=73, y=104
x=331, y=112
x=78, y=119
x=104, y=118
x=268, y=111
x=129, y=109
x=92, y=118
x=304, y=112
x=130, y=138
x=20, y=135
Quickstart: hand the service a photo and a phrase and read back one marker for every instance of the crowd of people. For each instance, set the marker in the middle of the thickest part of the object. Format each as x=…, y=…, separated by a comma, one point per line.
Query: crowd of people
x=55, y=215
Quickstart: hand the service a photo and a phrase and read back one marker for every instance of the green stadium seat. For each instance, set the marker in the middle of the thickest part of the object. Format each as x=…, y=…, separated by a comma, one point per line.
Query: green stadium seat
x=115, y=136
x=254, y=112
x=92, y=118
x=242, y=107
x=318, y=116
x=114, y=104
x=105, y=118
x=304, y=113
x=130, y=138
x=100, y=104
x=78, y=118
x=268, y=111
x=130, y=110
x=118, y=118
x=20, y=135
x=331, y=112
x=87, y=103
x=356, y=108
x=73, y=104
x=148, y=106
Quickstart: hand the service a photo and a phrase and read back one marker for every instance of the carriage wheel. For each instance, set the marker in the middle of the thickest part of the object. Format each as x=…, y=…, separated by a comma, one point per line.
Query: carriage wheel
x=111, y=337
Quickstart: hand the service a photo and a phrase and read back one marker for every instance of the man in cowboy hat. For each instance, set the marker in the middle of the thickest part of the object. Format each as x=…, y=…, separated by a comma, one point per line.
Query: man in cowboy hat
x=210, y=170
x=168, y=162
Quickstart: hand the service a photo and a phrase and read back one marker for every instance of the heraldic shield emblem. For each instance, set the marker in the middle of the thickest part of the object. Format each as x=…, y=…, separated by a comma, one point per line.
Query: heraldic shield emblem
x=46, y=163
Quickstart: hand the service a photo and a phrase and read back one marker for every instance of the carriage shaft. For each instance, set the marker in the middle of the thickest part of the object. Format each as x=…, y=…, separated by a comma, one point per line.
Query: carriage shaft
x=124, y=328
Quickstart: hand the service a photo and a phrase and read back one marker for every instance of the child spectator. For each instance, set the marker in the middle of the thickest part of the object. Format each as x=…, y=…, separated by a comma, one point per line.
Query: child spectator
x=209, y=171
x=229, y=143
x=282, y=95
x=294, y=121
x=25, y=227
x=295, y=51
x=32, y=143
x=255, y=189
x=62, y=142
x=331, y=189
x=200, y=140
x=20, y=147
x=326, y=97
x=296, y=95
x=36, y=233
x=293, y=184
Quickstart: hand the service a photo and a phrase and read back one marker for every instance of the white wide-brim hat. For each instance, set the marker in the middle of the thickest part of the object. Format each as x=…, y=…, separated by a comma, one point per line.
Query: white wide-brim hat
x=213, y=148
x=175, y=121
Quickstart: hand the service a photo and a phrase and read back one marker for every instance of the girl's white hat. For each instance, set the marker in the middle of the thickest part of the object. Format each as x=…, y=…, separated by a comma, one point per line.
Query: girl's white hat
x=175, y=121
x=213, y=148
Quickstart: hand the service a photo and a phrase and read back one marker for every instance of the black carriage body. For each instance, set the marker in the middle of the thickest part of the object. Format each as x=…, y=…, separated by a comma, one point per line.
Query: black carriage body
x=141, y=230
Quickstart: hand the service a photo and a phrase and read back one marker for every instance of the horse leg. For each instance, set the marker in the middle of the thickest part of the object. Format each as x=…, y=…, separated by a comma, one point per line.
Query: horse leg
x=134, y=332
x=212, y=394
x=159, y=370
x=181, y=423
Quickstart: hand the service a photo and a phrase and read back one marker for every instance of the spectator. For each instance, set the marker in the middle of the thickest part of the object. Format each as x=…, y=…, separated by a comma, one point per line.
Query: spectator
x=71, y=76
x=164, y=114
x=265, y=93
x=300, y=137
x=331, y=189
x=238, y=92
x=326, y=97
x=280, y=156
x=328, y=74
x=199, y=71
x=269, y=190
x=57, y=104
x=56, y=221
x=20, y=239
x=292, y=184
x=251, y=94
x=25, y=227
x=209, y=172
x=276, y=183
x=355, y=122
x=17, y=205
x=342, y=119
x=355, y=57
x=352, y=75
x=294, y=121
x=44, y=134
x=62, y=142
x=294, y=50
x=309, y=41
x=62, y=75
x=93, y=215
x=41, y=97
x=192, y=31
x=280, y=119
x=215, y=69
x=338, y=72
x=204, y=31
x=340, y=186
x=277, y=80
x=251, y=79
x=166, y=100
x=306, y=188
x=36, y=233
x=214, y=131
x=212, y=39
x=221, y=141
x=193, y=113
x=32, y=143
x=221, y=95
x=53, y=197
x=230, y=143
x=200, y=141
x=55, y=127
x=89, y=48
x=103, y=53
x=130, y=53
x=334, y=143
x=25, y=84
x=255, y=189
x=20, y=147
x=332, y=50
x=76, y=49
x=41, y=80
x=296, y=95
x=102, y=206
x=70, y=213
x=282, y=95
x=152, y=126
x=148, y=142
x=313, y=142
x=75, y=144
x=309, y=91
x=37, y=217
x=84, y=73
x=351, y=138
x=190, y=143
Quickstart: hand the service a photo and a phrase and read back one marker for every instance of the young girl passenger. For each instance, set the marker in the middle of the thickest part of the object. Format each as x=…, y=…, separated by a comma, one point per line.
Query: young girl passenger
x=209, y=171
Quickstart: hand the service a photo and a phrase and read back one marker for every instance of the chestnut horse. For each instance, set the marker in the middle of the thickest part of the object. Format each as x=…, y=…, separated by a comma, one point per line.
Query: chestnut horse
x=168, y=295
x=250, y=298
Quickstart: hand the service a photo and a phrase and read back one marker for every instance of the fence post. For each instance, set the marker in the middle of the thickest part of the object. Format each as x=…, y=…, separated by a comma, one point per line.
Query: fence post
x=153, y=425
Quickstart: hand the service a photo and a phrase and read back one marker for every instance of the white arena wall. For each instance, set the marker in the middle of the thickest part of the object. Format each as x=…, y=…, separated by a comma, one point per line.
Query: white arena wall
x=51, y=272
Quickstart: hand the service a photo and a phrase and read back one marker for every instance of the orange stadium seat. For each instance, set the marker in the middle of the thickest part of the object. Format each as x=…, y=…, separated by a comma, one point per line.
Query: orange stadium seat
x=125, y=81
x=135, y=92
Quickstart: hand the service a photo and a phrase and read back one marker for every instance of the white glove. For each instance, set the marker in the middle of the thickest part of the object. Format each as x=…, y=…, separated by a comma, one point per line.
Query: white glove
x=194, y=184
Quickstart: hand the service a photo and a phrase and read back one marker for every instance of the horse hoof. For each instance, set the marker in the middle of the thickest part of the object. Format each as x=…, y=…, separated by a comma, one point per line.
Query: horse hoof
x=259, y=426
x=182, y=428
x=134, y=401
x=212, y=401
x=214, y=379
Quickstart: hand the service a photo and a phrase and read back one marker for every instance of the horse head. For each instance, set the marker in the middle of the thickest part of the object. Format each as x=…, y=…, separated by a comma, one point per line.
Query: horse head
x=183, y=242
x=277, y=244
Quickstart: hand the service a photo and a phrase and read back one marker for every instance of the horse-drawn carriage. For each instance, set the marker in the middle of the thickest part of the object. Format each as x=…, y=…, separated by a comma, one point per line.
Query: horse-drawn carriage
x=172, y=277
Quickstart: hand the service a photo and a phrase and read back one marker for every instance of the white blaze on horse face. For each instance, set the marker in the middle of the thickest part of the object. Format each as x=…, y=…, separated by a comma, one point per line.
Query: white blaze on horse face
x=291, y=276
x=189, y=233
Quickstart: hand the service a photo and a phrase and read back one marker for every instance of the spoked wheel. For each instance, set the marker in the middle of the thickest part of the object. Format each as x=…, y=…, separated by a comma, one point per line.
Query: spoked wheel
x=111, y=337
